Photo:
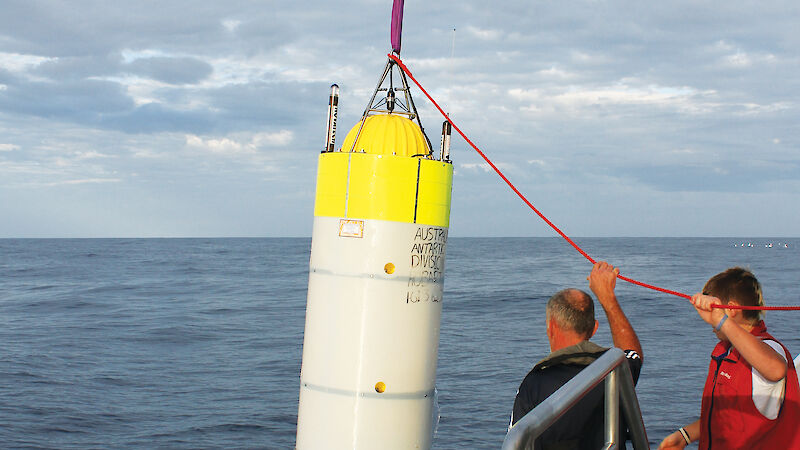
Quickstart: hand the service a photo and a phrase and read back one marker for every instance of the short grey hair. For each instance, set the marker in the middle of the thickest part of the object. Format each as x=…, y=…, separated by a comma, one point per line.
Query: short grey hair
x=572, y=309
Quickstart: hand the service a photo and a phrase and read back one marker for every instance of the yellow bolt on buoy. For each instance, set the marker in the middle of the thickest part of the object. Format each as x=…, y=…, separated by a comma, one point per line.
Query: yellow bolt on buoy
x=380, y=386
x=389, y=268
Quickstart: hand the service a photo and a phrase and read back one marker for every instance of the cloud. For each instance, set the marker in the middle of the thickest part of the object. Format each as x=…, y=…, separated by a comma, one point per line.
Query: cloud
x=222, y=146
x=556, y=73
x=17, y=62
x=142, y=105
x=84, y=100
x=744, y=177
x=474, y=167
x=484, y=34
x=29, y=170
x=59, y=69
x=280, y=138
x=231, y=24
x=241, y=146
x=156, y=117
x=81, y=29
x=681, y=98
x=85, y=181
x=172, y=70
x=91, y=154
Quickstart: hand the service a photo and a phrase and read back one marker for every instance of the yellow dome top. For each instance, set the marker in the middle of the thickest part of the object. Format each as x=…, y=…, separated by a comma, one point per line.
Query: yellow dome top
x=387, y=134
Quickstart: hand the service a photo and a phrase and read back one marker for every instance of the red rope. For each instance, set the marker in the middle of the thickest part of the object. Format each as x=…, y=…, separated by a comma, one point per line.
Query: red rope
x=524, y=199
x=758, y=308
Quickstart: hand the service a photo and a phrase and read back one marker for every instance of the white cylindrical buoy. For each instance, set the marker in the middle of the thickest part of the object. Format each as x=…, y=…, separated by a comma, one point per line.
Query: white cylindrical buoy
x=376, y=275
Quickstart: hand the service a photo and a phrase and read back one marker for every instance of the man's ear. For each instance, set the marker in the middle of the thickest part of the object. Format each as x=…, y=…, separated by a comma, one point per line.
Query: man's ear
x=733, y=312
x=594, y=330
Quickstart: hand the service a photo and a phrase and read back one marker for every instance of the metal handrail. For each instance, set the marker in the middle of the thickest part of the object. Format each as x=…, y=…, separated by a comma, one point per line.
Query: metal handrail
x=613, y=368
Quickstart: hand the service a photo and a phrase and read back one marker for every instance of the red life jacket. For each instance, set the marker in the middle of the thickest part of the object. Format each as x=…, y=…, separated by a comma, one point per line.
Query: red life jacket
x=729, y=419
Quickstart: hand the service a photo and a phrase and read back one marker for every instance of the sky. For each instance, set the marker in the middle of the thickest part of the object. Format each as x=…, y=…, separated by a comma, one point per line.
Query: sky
x=206, y=118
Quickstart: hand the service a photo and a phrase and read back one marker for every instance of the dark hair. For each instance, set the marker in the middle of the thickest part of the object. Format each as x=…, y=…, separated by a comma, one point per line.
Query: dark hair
x=572, y=309
x=738, y=284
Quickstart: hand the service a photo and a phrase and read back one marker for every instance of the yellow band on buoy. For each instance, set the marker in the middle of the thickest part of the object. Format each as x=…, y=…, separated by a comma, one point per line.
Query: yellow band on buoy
x=384, y=187
x=387, y=176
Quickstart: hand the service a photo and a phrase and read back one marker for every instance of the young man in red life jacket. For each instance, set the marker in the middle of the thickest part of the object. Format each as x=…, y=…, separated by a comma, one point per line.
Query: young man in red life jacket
x=751, y=399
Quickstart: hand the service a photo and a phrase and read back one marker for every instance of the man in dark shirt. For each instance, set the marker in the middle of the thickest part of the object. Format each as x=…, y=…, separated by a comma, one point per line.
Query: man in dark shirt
x=570, y=325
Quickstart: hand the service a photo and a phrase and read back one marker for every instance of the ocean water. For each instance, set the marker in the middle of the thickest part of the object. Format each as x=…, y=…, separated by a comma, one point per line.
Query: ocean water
x=196, y=343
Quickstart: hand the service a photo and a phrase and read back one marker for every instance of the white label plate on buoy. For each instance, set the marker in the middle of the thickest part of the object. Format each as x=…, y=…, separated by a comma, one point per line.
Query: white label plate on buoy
x=351, y=228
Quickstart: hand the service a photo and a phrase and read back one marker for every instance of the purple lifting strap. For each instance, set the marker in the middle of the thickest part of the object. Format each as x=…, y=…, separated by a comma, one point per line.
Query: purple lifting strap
x=397, y=25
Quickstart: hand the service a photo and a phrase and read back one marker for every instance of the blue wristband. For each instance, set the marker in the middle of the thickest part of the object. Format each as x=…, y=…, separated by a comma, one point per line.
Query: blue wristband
x=721, y=321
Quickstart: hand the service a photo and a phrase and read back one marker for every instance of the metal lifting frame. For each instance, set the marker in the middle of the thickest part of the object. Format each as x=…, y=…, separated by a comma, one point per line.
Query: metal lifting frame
x=612, y=367
x=409, y=106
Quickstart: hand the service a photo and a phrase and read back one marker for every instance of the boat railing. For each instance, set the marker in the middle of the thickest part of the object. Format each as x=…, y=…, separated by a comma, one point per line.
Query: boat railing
x=619, y=391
